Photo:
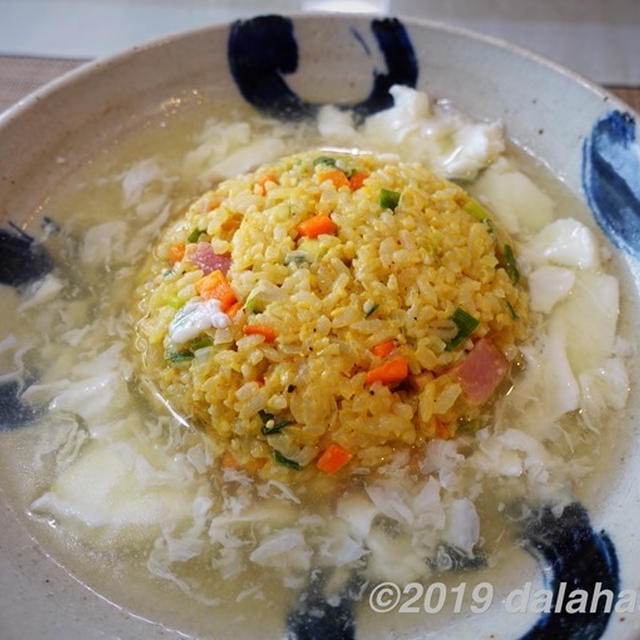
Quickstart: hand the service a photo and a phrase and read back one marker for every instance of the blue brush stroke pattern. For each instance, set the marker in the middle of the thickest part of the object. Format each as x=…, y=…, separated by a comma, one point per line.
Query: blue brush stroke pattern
x=13, y=413
x=260, y=51
x=611, y=179
x=356, y=34
x=22, y=259
x=263, y=49
x=567, y=547
x=400, y=59
x=579, y=557
x=315, y=619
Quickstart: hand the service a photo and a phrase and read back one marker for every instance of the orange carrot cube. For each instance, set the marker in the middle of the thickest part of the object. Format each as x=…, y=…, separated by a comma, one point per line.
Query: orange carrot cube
x=333, y=458
x=215, y=285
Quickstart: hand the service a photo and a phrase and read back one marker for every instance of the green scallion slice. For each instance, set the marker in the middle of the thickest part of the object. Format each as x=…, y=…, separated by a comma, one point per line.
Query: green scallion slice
x=325, y=160
x=468, y=425
x=476, y=210
x=285, y=462
x=265, y=417
x=252, y=305
x=194, y=235
x=466, y=324
x=178, y=356
x=371, y=310
x=509, y=264
x=389, y=199
x=276, y=428
x=173, y=301
x=512, y=311
x=297, y=257
x=200, y=343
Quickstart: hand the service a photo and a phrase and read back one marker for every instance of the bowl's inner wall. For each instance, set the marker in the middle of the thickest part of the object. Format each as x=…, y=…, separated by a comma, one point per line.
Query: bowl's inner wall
x=51, y=134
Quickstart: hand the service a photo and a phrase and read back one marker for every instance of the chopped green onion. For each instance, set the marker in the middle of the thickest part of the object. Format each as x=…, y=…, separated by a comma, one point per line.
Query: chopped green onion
x=194, y=235
x=325, y=160
x=389, y=199
x=285, y=462
x=509, y=264
x=512, y=312
x=350, y=173
x=476, y=210
x=178, y=356
x=276, y=428
x=201, y=343
x=167, y=272
x=267, y=431
x=252, y=305
x=467, y=425
x=489, y=225
x=173, y=301
x=188, y=354
x=371, y=310
x=297, y=257
x=466, y=324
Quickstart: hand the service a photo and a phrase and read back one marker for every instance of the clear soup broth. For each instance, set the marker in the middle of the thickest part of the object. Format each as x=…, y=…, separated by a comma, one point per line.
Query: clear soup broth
x=132, y=499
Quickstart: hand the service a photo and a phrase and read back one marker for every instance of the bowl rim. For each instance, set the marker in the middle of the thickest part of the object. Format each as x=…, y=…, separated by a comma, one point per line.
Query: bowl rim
x=94, y=66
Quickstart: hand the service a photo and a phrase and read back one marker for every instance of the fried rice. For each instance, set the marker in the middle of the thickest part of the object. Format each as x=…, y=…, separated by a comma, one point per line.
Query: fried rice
x=324, y=307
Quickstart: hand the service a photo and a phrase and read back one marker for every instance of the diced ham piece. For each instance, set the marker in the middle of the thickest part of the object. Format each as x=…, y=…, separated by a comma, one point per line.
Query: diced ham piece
x=481, y=371
x=204, y=258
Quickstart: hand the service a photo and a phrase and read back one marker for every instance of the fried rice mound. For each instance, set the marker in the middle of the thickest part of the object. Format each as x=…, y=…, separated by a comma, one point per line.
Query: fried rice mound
x=322, y=312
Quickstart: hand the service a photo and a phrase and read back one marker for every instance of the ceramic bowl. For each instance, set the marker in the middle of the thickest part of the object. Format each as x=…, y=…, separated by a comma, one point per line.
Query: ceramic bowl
x=286, y=67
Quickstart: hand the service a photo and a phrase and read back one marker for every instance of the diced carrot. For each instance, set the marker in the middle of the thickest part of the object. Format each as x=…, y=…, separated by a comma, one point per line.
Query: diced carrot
x=229, y=461
x=383, y=349
x=267, y=333
x=357, y=179
x=391, y=372
x=233, y=309
x=314, y=226
x=176, y=252
x=267, y=177
x=336, y=176
x=215, y=285
x=333, y=458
